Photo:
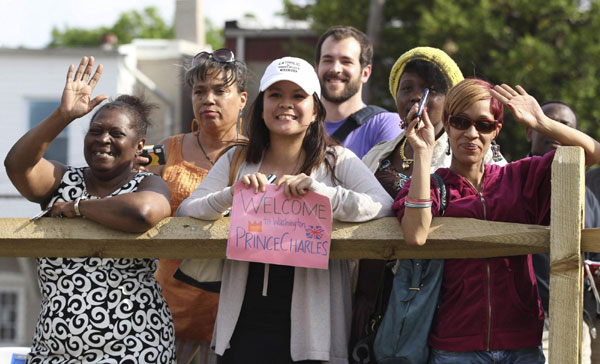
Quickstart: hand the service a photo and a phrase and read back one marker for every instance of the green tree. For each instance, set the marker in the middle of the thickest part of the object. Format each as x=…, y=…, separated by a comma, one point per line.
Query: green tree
x=131, y=24
x=550, y=47
x=148, y=24
x=76, y=37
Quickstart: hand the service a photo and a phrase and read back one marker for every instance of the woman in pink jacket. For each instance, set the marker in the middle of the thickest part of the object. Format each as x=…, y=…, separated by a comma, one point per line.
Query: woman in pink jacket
x=490, y=309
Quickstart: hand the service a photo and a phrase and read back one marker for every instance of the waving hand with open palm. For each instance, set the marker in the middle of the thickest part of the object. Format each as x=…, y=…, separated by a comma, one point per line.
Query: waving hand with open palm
x=76, y=98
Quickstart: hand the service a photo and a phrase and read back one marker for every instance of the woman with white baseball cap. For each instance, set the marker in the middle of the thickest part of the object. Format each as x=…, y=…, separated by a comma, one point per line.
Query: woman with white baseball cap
x=281, y=314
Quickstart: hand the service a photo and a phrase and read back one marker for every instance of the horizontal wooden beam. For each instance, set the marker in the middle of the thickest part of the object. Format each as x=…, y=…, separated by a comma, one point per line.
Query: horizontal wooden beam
x=190, y=238
x=590, y=240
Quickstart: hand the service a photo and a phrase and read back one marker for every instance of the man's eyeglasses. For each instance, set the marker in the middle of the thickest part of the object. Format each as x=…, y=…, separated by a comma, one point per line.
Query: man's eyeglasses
x=222, y=55
x=481, y=125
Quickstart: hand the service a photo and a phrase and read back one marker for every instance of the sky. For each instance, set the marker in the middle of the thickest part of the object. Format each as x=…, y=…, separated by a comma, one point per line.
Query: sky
x=28, y=23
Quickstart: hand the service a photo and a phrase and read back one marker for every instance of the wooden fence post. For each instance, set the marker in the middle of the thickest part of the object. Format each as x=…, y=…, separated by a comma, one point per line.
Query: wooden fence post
x=566, y=273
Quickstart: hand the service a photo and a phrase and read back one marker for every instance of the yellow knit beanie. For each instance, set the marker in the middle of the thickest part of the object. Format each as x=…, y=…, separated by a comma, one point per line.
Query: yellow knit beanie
x=438, y=57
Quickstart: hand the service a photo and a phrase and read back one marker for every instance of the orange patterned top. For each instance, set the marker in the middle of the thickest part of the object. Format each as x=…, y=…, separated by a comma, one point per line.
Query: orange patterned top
x=182, y=176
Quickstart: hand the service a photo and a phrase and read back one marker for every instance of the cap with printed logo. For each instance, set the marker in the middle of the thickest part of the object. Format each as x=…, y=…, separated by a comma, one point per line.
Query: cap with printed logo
x=292, y=69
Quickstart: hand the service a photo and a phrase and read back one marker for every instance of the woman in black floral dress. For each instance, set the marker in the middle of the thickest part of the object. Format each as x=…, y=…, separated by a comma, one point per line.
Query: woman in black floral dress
x=96, y=310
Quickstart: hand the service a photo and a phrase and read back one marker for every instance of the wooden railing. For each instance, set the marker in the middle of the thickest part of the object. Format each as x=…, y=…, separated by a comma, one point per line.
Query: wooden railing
x=565, y=239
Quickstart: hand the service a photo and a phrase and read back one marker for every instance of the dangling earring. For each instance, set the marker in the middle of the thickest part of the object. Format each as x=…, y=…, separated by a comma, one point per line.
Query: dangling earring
x=496, y=155
x=448, y=150
x=195, y=127
x=238, y=125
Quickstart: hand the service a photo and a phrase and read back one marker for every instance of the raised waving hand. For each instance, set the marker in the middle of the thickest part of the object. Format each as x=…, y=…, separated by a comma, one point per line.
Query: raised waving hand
x=524, y=107
x=528, y=112
x=76, y=99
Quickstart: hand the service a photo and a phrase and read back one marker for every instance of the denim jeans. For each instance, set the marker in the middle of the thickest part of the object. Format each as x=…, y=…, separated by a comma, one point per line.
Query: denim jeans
x=519, y=356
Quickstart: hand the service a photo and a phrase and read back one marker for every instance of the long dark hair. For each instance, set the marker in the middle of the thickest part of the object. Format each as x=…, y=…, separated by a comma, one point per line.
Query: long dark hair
x=316, y=144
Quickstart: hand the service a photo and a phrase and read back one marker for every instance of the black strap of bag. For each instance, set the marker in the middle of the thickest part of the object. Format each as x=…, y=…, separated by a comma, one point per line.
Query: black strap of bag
x=441, y=187
x=355, y=120
x=362, y=350
x=378, y=312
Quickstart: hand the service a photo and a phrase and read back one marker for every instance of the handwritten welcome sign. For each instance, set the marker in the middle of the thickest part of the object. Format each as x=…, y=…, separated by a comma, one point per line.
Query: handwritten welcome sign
x=268, y=227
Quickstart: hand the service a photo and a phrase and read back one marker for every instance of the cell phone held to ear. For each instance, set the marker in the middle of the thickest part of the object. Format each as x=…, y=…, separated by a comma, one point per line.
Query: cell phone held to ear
x=155, y=154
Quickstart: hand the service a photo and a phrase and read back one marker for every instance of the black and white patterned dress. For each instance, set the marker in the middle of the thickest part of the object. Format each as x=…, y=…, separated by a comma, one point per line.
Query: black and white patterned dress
x=97, y=310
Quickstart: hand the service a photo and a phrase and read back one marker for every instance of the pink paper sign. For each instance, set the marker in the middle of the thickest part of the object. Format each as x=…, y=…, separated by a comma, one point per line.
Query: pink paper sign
x=268, y=227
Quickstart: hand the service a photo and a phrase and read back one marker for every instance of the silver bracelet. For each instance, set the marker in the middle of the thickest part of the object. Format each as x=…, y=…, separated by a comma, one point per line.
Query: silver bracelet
x=418, y=205
x=76, y=207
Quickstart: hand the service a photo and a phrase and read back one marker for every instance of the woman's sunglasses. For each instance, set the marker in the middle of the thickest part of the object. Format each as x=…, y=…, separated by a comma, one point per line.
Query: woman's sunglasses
x=222, y=55
x=481, y=125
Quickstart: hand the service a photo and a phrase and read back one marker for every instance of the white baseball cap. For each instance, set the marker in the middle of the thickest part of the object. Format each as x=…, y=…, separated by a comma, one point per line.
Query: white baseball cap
x=292, y=69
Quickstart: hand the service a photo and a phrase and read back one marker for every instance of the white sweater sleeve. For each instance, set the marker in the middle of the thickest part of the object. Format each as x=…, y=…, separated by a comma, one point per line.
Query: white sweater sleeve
x=360, y=196
x=210, y=200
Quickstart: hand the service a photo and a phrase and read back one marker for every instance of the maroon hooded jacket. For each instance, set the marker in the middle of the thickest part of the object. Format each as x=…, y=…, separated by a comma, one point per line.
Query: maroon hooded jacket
x=492, y=303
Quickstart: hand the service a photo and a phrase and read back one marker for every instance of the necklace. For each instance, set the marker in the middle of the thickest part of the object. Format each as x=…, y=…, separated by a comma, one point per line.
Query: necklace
x=406, y=162
x=203, y=151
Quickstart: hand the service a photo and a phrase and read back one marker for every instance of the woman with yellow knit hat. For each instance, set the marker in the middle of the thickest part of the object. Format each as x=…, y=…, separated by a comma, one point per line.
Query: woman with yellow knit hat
x=392, y=163
x=415, y=70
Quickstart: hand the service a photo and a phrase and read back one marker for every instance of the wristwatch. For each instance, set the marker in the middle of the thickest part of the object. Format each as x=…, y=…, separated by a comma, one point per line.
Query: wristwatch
x=76, y=207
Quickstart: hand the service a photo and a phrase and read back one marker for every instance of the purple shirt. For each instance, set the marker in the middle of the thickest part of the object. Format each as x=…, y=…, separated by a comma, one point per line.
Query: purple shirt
x=381, y=127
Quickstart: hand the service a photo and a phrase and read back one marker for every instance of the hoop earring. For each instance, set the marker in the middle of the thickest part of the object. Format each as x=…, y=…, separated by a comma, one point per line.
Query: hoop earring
x=238, y=125
x=448, y=150
x=195, y=127
x=496, y=155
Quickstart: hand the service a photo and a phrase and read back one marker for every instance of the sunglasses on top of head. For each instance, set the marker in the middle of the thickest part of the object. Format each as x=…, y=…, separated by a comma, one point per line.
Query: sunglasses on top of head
x=481, y=125
x=222, y=55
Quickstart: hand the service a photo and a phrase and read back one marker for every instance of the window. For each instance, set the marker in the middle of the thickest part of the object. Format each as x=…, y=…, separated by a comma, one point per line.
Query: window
x=8, y=316
x=38, y=111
